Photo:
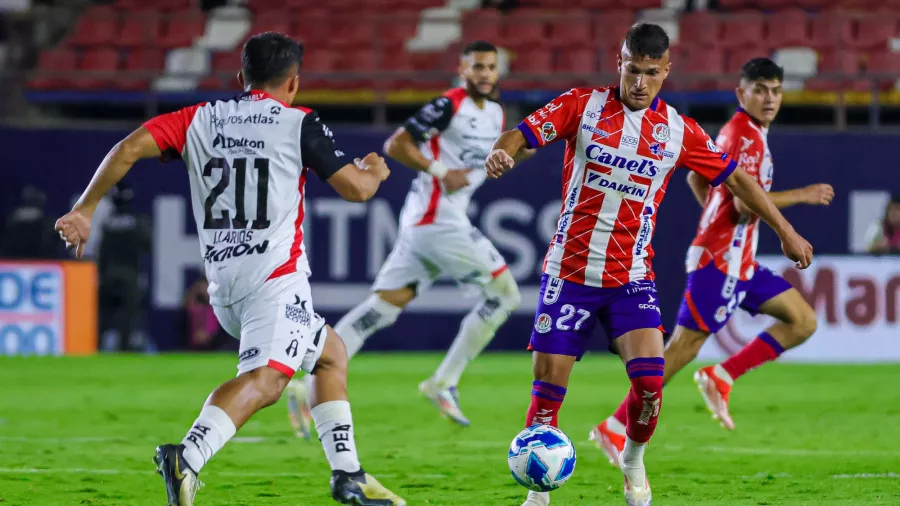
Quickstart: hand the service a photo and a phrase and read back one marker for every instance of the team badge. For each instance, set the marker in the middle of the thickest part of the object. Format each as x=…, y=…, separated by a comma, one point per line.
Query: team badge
x=661, y=132
x=721, y=314
x=548, y=131
x=543, y=323
x=712, y=146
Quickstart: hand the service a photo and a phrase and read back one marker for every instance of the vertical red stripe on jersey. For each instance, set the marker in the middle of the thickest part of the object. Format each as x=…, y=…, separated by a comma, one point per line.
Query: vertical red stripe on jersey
x=290, y=266
x=577, y=242
x=622, y=238
x=431, y=211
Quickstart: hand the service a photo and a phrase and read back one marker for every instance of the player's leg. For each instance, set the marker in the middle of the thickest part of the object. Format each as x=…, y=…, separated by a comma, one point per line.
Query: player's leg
x=472, y=260
x=564, y=321
x=330, y=410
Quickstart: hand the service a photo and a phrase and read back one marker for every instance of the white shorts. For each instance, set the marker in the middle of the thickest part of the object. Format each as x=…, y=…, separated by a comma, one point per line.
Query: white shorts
x=421, y=254
x=277, y=326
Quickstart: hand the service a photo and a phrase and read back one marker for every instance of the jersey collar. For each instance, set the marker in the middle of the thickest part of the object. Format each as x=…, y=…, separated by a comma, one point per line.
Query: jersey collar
x=257, y=95
x=751, y=119
x=653, y=105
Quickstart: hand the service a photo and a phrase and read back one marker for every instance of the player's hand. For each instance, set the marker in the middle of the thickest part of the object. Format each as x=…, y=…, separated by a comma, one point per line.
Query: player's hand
x=497, y=163
x=75, y=229
x=797, y=249
x=455, y=179
x=818, y=194
x=374, y=163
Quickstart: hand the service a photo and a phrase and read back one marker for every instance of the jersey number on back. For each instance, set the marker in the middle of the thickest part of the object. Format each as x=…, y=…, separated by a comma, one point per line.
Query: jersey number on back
x=240, y=170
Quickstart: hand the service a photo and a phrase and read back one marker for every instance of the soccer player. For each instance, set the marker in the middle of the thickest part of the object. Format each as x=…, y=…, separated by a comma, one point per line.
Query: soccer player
x=722, y=271
x=446, y=142
x=623, y=145
x=248, y=160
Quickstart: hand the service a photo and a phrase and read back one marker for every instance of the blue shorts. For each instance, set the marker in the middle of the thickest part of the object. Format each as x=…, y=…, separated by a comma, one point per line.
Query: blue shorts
x=568, y=312
x=712, y=296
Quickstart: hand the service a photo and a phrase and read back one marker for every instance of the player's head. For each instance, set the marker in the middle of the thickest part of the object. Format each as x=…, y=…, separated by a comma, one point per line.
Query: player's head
x=643, y=64
x=759, y=92
x=271, y=61
x=478, y=68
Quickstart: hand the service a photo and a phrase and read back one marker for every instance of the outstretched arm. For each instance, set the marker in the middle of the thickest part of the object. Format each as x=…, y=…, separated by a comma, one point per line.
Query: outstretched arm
x=814, y=194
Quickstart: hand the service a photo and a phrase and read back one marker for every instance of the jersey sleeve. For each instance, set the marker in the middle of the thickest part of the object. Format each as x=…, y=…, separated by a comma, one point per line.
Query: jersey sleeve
x=433, y=117
x=700, y=154
x=317, y=147
x=557, y=120
x=170, y=131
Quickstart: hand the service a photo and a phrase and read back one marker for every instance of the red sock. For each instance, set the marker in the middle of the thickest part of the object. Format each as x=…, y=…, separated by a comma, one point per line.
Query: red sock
x=546, y=399
x=760, y=350
x=645, y=398
x=621, y=411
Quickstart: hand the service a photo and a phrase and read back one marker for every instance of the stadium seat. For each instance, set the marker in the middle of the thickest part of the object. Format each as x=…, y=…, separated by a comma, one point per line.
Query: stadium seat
x=357, y=67
x=876, y=30
x=800, y=63
x=315, y=28
x=577, y=61
x=602, y=5
x=140, y=66
x=738, y=57
x=97, y=26
x=393, y=31
x=843, y=62
x=352, y=34
x=742, y=30
x=482, y=24
x=572, y=31
x=230, y=61
x=55, y=68
x=699, y=28
x=884, y=68
x=523, y=28
x=830, y=29
x=787, y=28
x=537, y=61
x=180, y=29
x=99, y=66
x=317, y=63
x=139, y=28
x=611, y=27
x=703, y=67
x=270, y=22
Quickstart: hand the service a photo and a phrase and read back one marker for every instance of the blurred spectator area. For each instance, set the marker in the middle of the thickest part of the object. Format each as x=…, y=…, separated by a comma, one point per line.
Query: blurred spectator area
x=376, y=48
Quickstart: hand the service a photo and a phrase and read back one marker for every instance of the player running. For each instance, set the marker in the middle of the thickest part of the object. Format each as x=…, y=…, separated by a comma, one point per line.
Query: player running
x=622, y=146
x=722, y=271
x=447, y=142
x=248, y=160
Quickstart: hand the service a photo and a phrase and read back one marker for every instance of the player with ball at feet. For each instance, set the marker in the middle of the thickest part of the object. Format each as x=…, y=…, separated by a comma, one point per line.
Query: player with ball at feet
x=623, y=143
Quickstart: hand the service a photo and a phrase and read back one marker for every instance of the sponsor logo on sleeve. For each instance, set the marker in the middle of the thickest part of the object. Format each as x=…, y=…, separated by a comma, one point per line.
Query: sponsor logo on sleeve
x=548, y=131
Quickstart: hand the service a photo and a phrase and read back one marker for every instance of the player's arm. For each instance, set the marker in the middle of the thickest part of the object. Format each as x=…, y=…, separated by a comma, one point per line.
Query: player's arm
x=556, y=120
x=701, y=155
x=355, y=181
x=75, y=226
x=819, y=194
x=699, y=187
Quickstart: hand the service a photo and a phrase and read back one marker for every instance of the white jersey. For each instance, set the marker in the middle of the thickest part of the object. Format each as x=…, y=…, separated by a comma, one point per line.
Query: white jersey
x=247, y=160
x=455, y=131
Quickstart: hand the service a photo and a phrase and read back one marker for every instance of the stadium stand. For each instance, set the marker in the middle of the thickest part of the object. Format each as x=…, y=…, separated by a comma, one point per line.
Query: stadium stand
x=170, y=45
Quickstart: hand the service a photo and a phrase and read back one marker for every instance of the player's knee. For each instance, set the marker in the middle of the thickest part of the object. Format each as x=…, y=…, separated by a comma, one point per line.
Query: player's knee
x=398, y=298
x=506, y=290
x=268, y=384
x=804, y=325
x=333, y=360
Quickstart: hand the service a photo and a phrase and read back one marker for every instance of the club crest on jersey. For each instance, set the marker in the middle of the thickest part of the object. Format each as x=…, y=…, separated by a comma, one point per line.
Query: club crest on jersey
x=661, y=132
x=552, y=289
x=710, y=145
x=543, y=323
x=548, y=131
x=644, y=167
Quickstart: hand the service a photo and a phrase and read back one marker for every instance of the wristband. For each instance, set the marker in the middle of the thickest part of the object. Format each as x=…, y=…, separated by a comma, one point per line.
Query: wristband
x=437, y=169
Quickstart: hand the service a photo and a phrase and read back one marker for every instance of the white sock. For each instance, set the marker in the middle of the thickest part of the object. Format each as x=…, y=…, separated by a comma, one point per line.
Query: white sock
x=212, y=429
x=334, y=425
x=370, y=316
x=633, y=453
x=538, y=498
x=475, y=332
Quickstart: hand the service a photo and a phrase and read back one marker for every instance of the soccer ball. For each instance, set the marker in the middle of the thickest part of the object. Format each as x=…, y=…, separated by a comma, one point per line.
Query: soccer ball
x=541, y=458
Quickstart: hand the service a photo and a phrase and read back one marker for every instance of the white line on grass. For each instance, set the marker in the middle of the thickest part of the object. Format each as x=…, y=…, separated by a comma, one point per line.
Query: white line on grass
x=861, y=476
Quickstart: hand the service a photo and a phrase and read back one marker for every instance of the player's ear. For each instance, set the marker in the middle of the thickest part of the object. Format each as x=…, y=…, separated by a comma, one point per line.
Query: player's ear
x=240, y=78
x=294, y=85
x=738, y=92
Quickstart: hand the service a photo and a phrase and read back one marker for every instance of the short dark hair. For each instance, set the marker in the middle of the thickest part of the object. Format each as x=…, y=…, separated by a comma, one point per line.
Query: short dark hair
x=647, y=40
x=478, y=46
x=270, y=58
x=758, y=69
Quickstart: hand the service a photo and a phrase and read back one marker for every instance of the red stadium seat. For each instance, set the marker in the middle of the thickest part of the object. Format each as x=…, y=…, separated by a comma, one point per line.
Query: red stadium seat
x=876, y=30
x=736, y=4
x=699, y=28
x=315, y=28
x=578, y=61
x=270, y=22
x=357, y=67
x=99, y=66
x=482, y=24
x=572, y=31
x=703, y=66
x=602, y=5
x=738, y=57
x=230, y=61
x=830, y=29
x=353, y=34
x=742, y=30
x=138, y=29
x=97, y=26
x=317, y=64
x=538, y=61
x=884, y=68
x=844, y=62
x=611, y=27
x=180, y=29
x=787, y=28
x=524, y=28
x=394, y=30
x=55, y=68
x=141, y=66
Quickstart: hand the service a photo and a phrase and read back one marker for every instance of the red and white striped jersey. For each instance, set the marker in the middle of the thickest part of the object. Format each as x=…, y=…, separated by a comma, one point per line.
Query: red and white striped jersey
x=724, y=235
x=616, y=167
x=453, y=129
x=247, y=161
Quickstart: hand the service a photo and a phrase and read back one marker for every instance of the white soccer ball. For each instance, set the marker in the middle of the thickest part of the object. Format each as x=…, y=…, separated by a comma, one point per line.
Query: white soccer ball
x=541, y=458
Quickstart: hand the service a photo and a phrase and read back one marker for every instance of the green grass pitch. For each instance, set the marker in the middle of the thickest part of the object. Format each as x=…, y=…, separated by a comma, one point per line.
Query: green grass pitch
x=77, y=431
